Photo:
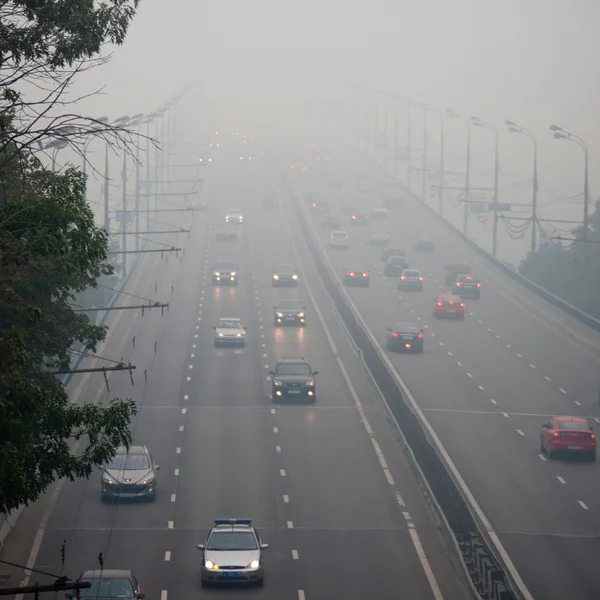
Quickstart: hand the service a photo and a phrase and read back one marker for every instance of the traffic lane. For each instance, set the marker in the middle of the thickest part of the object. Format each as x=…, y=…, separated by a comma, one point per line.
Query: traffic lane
x=382, y=561
x=514, y=315
x=283, y=576
x=555, y=566
x=140, y=550
x=502, y=469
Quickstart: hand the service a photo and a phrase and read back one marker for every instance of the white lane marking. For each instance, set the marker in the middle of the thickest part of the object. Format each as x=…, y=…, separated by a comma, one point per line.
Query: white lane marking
x=171, y=524
x=577, y=402
x=437, y=593
x=389, y=477
x=532, y=366
x=508, y=345
x=379, y=453
x=459, y=364
x=441, y=343
x=480, y=387
x=400, y=499
x=301, y=595
x=192, y=355
x=448, y=353
x=561, y=479
x=546, y=378
x=277, y=448
x=480, y=321
x=520, y=432
x=178, y=450
x=497, y=337
x=542, y=457
x=505, y=414
x=186, y=397
x=163, y=594
x=597, y=419
x=168, y=555
x=173, y=497
x=188, y=378
x=282, y=472
x=488, y=329
x=275, y=430
x=181, y=428
x=469, y=375
x=290, y=525
x=196, y=335
x=191, y=367
x=519, y=355
x=184, y=410
x=582, y=504
x=432, y=334
x=286, y=499
x=493, y=401
x=193, y=346
x=295, y=554
x=266, y=366
x=561, y=390
x=264, y=356
x=176, y=473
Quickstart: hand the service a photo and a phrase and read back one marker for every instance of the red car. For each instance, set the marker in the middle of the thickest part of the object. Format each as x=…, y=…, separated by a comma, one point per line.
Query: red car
x=568, y=435
x=449, y=305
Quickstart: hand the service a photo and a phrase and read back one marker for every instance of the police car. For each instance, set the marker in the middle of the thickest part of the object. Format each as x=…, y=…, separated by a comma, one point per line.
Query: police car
x=232, y=553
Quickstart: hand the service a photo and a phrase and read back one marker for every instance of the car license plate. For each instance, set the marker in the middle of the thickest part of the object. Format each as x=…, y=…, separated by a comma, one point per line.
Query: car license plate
x=575, y=447
x=407, y=337
x=293, y=391
x=450, y=311
x=290, y=318
x=231, y=573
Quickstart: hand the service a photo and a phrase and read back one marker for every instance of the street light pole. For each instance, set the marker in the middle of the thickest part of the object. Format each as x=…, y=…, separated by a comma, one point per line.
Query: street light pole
x=395, y=157
x=467, y=191
x=408, y=143
x=100, y=121
x=480, y=123
x=561, y=134
x=442, y=176
x=424, y=166
x=514, y=128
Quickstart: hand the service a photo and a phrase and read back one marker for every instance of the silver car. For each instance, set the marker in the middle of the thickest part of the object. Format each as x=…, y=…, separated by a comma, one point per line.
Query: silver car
x=130, y=475
x=338, y=239
x=230, y=331
x=232, y=553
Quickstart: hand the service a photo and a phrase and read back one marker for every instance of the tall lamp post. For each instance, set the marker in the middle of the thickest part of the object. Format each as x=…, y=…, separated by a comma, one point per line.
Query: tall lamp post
x=118, y=123
x=467, y=192
x=55, y=145
x=514, y=128
x=561, y=134
x=90, y=136
x=442, y=175
x=425, y=108
x=479, y=123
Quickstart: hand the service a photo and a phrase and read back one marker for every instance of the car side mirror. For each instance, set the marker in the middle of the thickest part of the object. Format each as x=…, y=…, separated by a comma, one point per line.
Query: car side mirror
x=315, y=373
x=157, y=467
x=272, y=373
x=264, y=546
x=140, y=596
x=201, y=547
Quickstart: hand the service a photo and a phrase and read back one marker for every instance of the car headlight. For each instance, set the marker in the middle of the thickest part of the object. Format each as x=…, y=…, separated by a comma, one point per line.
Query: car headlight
x=233, y=273
x=294, y=277
x=280, y=314
x=217, y=274
x=254, y=564
x=106, y=478
x=149, y=480
x=311, y=383
x=277, y=383
x=209, y=564
x=301, y=315
x=220, y=335
x=275, y=276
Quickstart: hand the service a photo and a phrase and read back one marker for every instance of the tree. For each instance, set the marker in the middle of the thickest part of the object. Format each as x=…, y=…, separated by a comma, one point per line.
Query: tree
x=50, y=247
x=571, y=272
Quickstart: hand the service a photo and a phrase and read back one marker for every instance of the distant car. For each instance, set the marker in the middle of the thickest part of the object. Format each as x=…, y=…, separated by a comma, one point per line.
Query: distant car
x=226, y=234
x=108, y=584
x=379, y=212
x=359, y=219
x=569, y=435
x=234, y=215
x=284, y=275
x=293, y=378
x=378, y=238
x=232, y=554
x=356, y=277
x=319, y=207
x=449, y=305
x=392, y=252
x=405, y=337
x=411, y=279
x=453, y=270
x=339, y=240
x=394, y=266
x=297, y=166
x=467, y=286
x=289, y=312
x=424, y=244
x=230, y=331
x=130, y=474
x=224, y=273
x=330, y=222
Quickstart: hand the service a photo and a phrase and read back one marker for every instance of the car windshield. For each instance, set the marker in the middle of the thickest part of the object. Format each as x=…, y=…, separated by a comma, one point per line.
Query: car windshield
x=229, y=324
x=289, y=305
x=573, y=426
x=233, y=211
x=283, y=269
x=405, y=328
x=129, y=462
x=293, y=369
x=107, y=588
x=412, y=273
x=397, y=260
x=339, y=236
x=467, y=278
x=224, y=264
x=232, y=540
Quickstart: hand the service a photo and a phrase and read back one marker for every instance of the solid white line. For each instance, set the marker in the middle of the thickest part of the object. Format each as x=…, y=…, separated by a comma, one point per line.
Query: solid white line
x=563, y=391
x=561, y=479
x=173, y=497
x=379, y=453
x=520, y=432
x=163, y=594
x=168, y=555
x=286, y=499
x=541, y=456
x=295, y=554
x=582, y=504
x=389, y=477
x=282, y=472
x=437, y=593
x=301, y=595
x=290, y=525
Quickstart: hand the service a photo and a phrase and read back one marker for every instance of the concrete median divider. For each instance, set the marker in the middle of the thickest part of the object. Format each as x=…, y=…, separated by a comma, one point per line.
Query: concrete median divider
x=490, y=570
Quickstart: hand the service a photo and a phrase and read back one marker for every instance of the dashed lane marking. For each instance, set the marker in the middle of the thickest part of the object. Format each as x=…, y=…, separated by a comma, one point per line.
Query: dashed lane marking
x=542, y=457
x=168, y=555
x=469, y=375
x=171, y=525
x=290, y=525
x=286, y=499
x=176, y=473
x=582, y=504
x=184, y=410
x=173, y=497
x=181, y=427
x=295, y=554
x=561, y=390
x=275, y=430
x=278, y=448
x=520, y=432
x=561, y=479
x=178, y=451
x=282, y=472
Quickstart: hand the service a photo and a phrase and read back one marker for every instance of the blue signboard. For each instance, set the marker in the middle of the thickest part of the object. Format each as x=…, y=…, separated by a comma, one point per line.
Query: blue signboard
x=499, y=207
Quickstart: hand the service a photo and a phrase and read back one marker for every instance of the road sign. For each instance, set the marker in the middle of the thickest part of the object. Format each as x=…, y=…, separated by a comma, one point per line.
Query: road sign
x=479, y=208
x=128, y=218
x=499, y=207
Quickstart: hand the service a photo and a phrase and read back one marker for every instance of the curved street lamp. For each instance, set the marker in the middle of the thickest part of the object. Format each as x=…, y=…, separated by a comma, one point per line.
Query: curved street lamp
x=561, y=134
x=90, y=136
x=467, y=192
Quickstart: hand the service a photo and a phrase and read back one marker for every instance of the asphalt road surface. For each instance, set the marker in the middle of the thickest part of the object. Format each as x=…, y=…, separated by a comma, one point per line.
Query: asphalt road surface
x=487, y=384
x=327, y=485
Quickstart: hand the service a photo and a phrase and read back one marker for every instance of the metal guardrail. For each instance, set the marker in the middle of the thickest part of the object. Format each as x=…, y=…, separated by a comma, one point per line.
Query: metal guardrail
x=571, y=310
x=486, y=572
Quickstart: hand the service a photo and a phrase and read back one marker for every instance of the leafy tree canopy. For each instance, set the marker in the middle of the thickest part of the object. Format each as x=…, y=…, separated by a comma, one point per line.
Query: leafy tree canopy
x=571, y=271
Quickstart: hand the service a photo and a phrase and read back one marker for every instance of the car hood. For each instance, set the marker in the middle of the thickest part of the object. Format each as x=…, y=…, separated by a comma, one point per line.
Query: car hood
x=232, y=558
x=133, y=477
x=293, y=378
x=289, y=311
x=228, y=331
x=284, y=275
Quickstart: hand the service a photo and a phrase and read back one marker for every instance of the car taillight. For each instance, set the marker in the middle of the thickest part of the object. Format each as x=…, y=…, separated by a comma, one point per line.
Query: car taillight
x=556, y=434
x=451, y=301
x=351, y=274
x=402, y=277
x=365, y=274
x=314, y=205
x=354, y=217
x=420, y=336
x=458, y=284
x=462, y=304
x=292, y=167
x=395, y=335
x=440, y=304
x=478, y=285
x=590, y=436
x=421, y=278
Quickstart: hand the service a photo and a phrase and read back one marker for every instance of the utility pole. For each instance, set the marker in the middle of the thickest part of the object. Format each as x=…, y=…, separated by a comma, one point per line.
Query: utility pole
x=408, y=143
x=395, y=157
x=442, y=174
x=424, y=168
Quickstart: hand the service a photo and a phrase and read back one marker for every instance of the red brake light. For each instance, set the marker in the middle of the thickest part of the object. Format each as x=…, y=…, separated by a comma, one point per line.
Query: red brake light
x=593, y=436
x=292, y=167
x=365, y=274
x=458, y=284
x=478, y=285
x=440, y=304
x=354, y=217
x=351, y=274
x=556, y=434
x=422, y=278
x=395, y=335
x=314, y=205
x=402, y=277
x=420, y=336
x=462, y=304
x=451, y=301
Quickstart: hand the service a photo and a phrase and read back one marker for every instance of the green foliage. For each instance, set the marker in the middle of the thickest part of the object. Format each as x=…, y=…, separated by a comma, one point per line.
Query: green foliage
x=573, y=272
x=50, y=249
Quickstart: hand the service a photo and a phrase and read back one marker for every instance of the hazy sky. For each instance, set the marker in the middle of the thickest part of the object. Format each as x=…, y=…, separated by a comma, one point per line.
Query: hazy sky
x=532, y=61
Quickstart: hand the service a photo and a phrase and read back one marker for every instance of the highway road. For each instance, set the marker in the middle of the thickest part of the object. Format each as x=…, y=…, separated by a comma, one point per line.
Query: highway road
x=486, y=385
x=327, y=485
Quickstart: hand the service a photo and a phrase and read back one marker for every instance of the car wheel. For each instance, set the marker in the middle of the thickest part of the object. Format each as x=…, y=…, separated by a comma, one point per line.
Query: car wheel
x=461, y=317
x=549, y=452
x=542, y=449
x=592, y=457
